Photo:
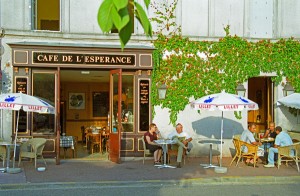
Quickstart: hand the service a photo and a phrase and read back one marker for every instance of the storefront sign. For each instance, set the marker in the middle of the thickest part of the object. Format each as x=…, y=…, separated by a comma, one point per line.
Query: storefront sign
x=21, y=85
x=95, y=59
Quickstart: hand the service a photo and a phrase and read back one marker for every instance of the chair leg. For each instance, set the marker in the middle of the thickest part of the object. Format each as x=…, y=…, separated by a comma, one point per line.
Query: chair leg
x=238, y=161
x=35, y=161
x=144, y=159
x=233, y=160
x=19, y=161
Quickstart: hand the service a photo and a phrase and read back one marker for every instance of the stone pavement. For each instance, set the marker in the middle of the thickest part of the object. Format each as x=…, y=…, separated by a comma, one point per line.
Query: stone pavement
x=75, y=171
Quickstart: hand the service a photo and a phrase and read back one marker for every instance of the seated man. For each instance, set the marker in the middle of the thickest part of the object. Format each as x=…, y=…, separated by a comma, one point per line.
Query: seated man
x=282, y=139
x=182, y=140
x=247, y=136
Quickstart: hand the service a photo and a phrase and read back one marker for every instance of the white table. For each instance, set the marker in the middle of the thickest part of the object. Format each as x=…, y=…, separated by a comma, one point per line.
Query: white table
x=210, y=142
x=164, y=143
x=8, y=145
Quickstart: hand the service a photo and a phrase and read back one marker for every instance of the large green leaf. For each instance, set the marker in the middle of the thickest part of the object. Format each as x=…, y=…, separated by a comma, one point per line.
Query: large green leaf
x=142, y=17
x=104, y=16
x=147, y=2
x=125, y=18
x=125, y=34
x=120, y=4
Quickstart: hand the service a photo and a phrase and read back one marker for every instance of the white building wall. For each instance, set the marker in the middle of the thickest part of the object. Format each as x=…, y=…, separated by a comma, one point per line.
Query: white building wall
x=288, y=18
x=202, y=19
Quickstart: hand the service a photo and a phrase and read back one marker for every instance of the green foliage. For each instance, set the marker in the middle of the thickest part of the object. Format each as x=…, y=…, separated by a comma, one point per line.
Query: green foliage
x=116, y=14
x=194, y=69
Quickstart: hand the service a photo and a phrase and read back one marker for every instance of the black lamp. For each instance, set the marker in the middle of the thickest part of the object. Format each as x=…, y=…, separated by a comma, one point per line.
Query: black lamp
x=162, y=90
x=240, y=90
x=288, y=89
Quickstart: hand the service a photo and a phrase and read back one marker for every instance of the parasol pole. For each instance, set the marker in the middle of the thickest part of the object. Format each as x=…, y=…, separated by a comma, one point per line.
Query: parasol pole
x=221, y=140
x=15, y=146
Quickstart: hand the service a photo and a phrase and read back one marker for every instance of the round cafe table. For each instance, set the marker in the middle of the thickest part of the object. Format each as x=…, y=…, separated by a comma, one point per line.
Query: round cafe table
x=210, y=142
x=164, y=143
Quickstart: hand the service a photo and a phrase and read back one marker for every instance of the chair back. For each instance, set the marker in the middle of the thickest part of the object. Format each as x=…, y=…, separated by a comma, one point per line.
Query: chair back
x=96, y=138
x=37, y=145
x=237, y=145
x=144, y=144
x=252, y=149
x=237, y=136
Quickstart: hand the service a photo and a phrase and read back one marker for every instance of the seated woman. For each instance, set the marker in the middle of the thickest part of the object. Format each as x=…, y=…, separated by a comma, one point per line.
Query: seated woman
x=149, y=137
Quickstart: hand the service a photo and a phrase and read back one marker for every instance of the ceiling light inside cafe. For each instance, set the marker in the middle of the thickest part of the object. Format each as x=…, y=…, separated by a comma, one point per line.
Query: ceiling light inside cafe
x=85, y=72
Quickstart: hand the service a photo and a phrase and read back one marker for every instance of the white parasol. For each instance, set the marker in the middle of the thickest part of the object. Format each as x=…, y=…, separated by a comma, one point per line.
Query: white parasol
x=28, y=103
x=225, y=102
x=292, y=101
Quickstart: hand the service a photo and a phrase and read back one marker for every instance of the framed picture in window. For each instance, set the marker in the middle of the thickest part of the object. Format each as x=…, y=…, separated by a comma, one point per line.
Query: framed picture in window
x=77, y=101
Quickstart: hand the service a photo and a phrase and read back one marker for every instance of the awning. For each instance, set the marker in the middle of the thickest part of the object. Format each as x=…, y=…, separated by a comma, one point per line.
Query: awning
x=292, y=101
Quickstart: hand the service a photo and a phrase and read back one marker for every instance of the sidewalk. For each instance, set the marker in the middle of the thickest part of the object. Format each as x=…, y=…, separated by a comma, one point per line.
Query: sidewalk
x=133, y=170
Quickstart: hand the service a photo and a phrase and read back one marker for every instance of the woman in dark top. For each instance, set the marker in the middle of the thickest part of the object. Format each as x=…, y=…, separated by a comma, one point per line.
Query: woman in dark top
x=149, y=137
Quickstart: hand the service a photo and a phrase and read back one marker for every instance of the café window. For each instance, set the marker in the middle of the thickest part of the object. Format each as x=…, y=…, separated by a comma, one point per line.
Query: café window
x=44, y=87
x=127, y=103
x=45, y=15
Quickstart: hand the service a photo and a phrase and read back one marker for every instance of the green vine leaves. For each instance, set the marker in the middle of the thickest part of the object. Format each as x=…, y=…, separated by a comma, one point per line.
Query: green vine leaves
x=192, y=69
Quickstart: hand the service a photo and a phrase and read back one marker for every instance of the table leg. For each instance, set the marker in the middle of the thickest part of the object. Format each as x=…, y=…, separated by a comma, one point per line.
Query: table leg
x=5, y=169
x=206, y=166
x=7, y=157
x=165, y=148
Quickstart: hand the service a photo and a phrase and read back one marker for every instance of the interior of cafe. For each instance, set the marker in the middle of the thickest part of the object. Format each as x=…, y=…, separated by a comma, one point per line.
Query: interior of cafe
x=85, y=109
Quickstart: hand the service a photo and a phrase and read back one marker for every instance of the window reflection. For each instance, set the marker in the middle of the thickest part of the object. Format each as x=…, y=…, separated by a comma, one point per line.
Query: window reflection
x=127, y=103
x=44, y=87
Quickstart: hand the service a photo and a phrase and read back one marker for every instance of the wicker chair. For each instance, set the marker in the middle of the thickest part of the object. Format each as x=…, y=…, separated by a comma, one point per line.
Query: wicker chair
x=37, y=146
x=284, y=154
x=250, y=154
x=238, y=152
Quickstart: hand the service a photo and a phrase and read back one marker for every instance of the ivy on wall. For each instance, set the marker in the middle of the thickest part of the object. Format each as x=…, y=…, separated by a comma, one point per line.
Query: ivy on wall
x=197, y=68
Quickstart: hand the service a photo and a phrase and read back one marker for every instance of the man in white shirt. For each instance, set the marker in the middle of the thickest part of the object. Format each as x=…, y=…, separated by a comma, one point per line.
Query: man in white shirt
x=247, y=136
x=182, y=140
x=282, y=139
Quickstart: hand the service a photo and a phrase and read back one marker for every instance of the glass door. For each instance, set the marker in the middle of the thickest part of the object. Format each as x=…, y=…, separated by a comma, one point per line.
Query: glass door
x=115, y=115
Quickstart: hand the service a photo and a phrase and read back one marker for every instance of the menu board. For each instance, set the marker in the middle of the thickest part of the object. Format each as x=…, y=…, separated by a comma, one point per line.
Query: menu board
x=100, y=104
x=144, y=92
x=21, y=85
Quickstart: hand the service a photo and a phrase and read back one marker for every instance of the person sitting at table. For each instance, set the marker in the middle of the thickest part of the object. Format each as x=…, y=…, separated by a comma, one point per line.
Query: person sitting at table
x=182, y=141
x=247, y=136
x=149, y=137
x=270, y=132
x=282, y=139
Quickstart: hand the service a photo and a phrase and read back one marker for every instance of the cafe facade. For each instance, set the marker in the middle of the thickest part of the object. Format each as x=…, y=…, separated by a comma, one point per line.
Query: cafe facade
x=90, y=86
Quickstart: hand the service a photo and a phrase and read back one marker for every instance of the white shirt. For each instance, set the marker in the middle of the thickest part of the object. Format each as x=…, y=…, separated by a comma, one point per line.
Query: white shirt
x=182, y=134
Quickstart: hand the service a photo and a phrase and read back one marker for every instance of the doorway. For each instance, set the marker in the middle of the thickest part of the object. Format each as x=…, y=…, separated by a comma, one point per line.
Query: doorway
x=261, y=91
x=87, y=96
